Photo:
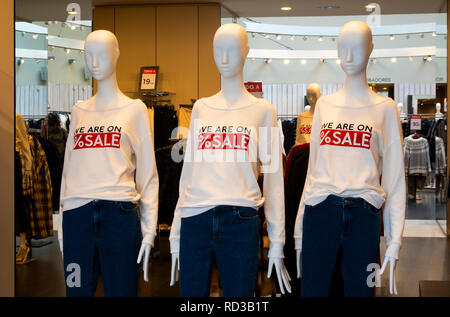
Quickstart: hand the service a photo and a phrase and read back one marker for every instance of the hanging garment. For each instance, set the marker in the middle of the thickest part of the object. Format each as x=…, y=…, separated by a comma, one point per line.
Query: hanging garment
x=441, y=161
x=57, y=137
x=303, y=131
x=41, y=215
x=151, y=117
x=289, y=131
x=20, y=211
x=417, y=156
x=184, y=119
x=169, y=173
x=55, y=167
x=165, y=123
x=23, y=148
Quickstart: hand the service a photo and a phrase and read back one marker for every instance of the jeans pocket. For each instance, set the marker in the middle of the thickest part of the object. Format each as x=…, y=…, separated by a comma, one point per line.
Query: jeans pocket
x=372, y=209
x=246, y=213
x=127, y=206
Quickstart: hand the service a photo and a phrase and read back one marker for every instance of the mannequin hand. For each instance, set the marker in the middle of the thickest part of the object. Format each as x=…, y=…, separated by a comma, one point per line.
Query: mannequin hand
x=392, y=283
x=299, y=263
x=144, y=251
x=282, y=273
x=174, y=274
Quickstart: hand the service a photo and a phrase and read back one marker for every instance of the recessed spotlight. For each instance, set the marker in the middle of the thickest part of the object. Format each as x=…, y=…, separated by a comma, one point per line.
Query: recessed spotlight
x=268, y=61
x=253, y=34
x=303, y=61
x=292, y=37
x=67, y=50
x=321, y=61
x=286, y=61
x=410, y=58
x=37, y=60
x=393, y=59
x=278, y=37
x=433, y=34
x=320, y=39
x=370, y=6
x=23, y=34
x=422, y=35
x=373, y=61
x=72, y=61
x=73, y=27
x=286, y=8
x=338, y=61
x=72, y=12
x=51, y=58
x=391, y=37
x=20, y=61
x=35, y=36
x=252, y=60
x=429, y=59
x=267, y=36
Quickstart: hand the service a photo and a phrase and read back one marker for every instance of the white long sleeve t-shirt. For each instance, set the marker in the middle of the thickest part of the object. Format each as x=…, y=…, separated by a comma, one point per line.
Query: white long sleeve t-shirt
x=110, y=156
x=357, y=152
x=225, y=152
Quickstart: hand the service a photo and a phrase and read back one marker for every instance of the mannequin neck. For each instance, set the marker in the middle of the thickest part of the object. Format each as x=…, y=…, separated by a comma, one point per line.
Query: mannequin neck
x=108, y=92
x=357, y=85
x=233, y=89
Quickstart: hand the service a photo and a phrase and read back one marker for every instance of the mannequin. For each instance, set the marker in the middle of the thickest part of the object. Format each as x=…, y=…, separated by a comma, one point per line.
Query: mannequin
x=232, y=106
x=403, y=115
x=124, y=173
x=333, y=181
x=304, y=119
x=439, y=114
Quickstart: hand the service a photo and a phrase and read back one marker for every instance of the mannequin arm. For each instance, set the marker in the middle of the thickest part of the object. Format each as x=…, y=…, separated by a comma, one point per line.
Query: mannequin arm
x=299, y=263
x=175, y=271
x=145, y=253
x=391, y=257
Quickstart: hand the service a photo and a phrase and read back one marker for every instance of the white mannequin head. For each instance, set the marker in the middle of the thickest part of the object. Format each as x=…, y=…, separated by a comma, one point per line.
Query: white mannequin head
x=438, y=107
x=400, y=107
x=307, y=108
x=101, y=52
x=313, y=93
x=354, y=47
x=230, y=49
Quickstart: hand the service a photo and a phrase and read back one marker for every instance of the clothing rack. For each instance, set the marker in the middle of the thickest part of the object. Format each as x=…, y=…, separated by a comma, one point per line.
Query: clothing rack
x=286, y=116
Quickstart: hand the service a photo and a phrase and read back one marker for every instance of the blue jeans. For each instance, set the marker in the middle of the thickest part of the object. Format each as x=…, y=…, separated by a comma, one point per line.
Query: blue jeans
x=230, y=233
x=102, y=237
x=351, y=225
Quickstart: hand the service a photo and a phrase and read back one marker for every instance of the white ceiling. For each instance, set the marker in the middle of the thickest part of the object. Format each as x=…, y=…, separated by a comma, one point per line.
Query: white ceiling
x=45, y=10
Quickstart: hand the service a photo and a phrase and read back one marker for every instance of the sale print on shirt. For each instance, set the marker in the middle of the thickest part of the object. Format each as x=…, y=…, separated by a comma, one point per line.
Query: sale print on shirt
x=305, y=129
x=223, y=138
x=346, y=134
x=97, y=137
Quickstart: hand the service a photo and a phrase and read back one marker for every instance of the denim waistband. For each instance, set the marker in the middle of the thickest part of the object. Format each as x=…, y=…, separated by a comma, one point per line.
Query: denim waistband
x=353, y=201
x=100, y=202
x=229, y=208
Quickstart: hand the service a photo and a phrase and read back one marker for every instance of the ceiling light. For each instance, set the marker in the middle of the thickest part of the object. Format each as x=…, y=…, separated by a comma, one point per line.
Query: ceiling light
x=370, y=6
x=393, y=59
x=72, y=61
x=433, y=34
x=51, y=58
x=73, y=27
x=320, y=39
x=37, y=60
x=429, y=59
x=410, y=58
x=20, y=61
x=305, y=38
x=72, y=12
x=81, y=52
x=422, y=35
x=292, y=37
x=67, y=50
x=303, y=61
x=286, y=8
x=286, y=61
x=278, y=37
x=23, y=34
x=267, y=36
x=46, y=37
x=338, y=61
x=373, y=61
x=268, y=61
x=253, y=34
x=384, y=88
x=252, y=60
x=321, y=61
x=391, y=37
x=35, y=36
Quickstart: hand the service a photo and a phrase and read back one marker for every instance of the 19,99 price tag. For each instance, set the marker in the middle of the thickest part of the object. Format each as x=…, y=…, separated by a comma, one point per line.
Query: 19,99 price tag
x=148, y=80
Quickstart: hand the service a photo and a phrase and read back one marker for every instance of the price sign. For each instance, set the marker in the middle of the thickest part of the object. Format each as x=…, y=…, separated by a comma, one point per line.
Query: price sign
x=416, y=122
x=149, y=76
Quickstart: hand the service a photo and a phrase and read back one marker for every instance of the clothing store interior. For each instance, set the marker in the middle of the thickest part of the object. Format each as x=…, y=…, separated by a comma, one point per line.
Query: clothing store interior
x=167, y=61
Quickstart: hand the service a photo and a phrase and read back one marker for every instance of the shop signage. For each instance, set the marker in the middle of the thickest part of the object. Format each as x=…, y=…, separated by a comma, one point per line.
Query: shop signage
x=375, y=80
x=148, y=78
x=416, y=122
x=255, y=88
